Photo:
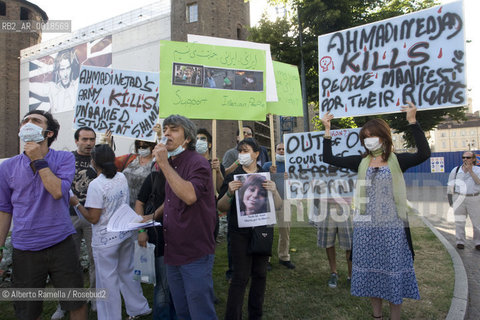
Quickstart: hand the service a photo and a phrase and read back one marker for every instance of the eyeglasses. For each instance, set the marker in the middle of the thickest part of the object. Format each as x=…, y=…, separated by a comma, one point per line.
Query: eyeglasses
x=467, y=157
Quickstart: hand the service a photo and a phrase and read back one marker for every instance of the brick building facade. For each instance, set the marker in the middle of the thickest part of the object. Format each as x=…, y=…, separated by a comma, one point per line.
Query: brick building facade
x=11, y=43
x=225, y=19
x=222, y=19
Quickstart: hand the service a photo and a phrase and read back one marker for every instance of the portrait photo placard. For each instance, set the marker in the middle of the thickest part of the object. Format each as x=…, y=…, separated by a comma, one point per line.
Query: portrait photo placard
x=254, y=203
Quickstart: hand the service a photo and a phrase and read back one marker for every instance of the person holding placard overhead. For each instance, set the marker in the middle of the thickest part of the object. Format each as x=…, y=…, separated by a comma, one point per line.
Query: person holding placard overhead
x=245, y=266
x=382, y=258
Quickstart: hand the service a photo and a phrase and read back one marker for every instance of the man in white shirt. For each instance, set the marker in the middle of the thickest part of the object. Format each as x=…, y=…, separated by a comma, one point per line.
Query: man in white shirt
x=464, y=197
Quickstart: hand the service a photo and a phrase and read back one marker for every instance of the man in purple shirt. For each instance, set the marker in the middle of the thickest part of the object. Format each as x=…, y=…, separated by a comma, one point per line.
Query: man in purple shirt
x=34, y=191
x=189, y=220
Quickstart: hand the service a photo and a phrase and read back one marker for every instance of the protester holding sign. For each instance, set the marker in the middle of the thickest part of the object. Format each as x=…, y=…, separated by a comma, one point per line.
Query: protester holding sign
x=245, y=266
x=381, y=221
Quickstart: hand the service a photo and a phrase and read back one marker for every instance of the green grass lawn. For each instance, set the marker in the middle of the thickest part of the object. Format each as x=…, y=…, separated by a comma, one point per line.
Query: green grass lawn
x=303, y=293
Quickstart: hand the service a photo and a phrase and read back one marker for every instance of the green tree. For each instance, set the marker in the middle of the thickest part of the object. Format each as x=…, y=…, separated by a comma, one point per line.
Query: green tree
x=320, y=17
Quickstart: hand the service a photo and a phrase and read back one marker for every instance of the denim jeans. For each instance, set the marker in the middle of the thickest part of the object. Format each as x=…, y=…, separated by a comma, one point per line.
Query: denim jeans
x=191, y=286
x=162, y=302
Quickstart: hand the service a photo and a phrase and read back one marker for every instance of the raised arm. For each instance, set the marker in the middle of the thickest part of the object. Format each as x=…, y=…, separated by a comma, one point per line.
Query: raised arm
x=408, y=160
x=350, y=162
x=55, y=183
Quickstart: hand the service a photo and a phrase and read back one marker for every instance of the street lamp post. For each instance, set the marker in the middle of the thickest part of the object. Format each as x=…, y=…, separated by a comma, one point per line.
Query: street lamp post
x=306, y=120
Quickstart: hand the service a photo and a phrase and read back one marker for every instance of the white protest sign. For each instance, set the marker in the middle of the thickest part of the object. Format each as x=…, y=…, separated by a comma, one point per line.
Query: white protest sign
x=309, y=176
x=126, y=102
x=376, y=68
x=270, y=75
x=255, y=206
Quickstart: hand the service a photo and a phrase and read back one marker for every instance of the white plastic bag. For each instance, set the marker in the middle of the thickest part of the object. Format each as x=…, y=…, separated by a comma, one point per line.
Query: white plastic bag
x=144, y=263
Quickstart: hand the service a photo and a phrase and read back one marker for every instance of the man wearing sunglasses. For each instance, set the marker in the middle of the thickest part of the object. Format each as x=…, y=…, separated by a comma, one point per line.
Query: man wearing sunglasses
x=464, y=197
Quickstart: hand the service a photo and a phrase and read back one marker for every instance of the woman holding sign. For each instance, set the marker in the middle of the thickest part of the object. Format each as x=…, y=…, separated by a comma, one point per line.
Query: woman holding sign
x=245, y=266
x=382, y=256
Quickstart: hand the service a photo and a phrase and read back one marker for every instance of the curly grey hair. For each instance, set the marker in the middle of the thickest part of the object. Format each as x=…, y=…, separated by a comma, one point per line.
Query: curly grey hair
x=189, y=128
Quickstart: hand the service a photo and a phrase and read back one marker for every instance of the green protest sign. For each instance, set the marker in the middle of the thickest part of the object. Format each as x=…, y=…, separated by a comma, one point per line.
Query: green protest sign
x=288, y=91
x=212, y=82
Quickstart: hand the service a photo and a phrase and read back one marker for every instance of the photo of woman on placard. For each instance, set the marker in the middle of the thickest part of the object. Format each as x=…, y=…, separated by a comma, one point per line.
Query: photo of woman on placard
x=253, y=196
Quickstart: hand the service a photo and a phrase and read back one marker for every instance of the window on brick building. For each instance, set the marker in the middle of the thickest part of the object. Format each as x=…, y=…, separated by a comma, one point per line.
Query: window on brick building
x=192, y=12
x=24, y=13
x=3, y=9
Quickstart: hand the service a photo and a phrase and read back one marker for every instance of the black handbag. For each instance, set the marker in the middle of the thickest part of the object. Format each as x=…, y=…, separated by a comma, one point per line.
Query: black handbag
x=261, y=241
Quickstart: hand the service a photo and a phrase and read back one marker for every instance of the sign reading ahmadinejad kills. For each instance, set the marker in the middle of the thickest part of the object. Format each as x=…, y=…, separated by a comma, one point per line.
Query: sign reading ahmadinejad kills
x=376, y=68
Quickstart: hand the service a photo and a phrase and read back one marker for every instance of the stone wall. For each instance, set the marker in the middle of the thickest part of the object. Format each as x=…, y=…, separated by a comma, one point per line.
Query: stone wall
x=10, y=46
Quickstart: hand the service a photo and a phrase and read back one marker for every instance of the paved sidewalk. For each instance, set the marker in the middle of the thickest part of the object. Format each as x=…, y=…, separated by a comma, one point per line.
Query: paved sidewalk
x=432, y=204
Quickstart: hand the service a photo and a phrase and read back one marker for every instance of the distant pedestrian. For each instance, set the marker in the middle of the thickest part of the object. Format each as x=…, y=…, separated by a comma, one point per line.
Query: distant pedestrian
x=464, y=197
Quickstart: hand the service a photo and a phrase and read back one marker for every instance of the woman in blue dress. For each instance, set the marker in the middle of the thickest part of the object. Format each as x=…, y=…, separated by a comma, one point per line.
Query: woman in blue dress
x=382, y=253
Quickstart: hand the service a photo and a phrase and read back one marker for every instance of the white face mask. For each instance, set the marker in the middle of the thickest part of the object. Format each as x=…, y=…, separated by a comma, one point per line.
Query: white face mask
x=372, y=144
x=245, y=159
x=177, y=151
x=144, y=152
x=201, y=146
x=280, y=157
x=31, y=133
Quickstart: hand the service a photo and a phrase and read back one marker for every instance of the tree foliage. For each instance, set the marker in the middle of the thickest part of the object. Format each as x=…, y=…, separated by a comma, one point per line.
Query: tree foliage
x=320, y=17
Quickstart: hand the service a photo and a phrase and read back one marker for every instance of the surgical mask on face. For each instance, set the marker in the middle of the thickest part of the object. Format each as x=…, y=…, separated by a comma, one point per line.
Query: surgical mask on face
x=201, y=146
x=245, y=159
x=176, y=152
x=372, y=144
x=144, y=152
x=280, y=157
x=31, y=133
